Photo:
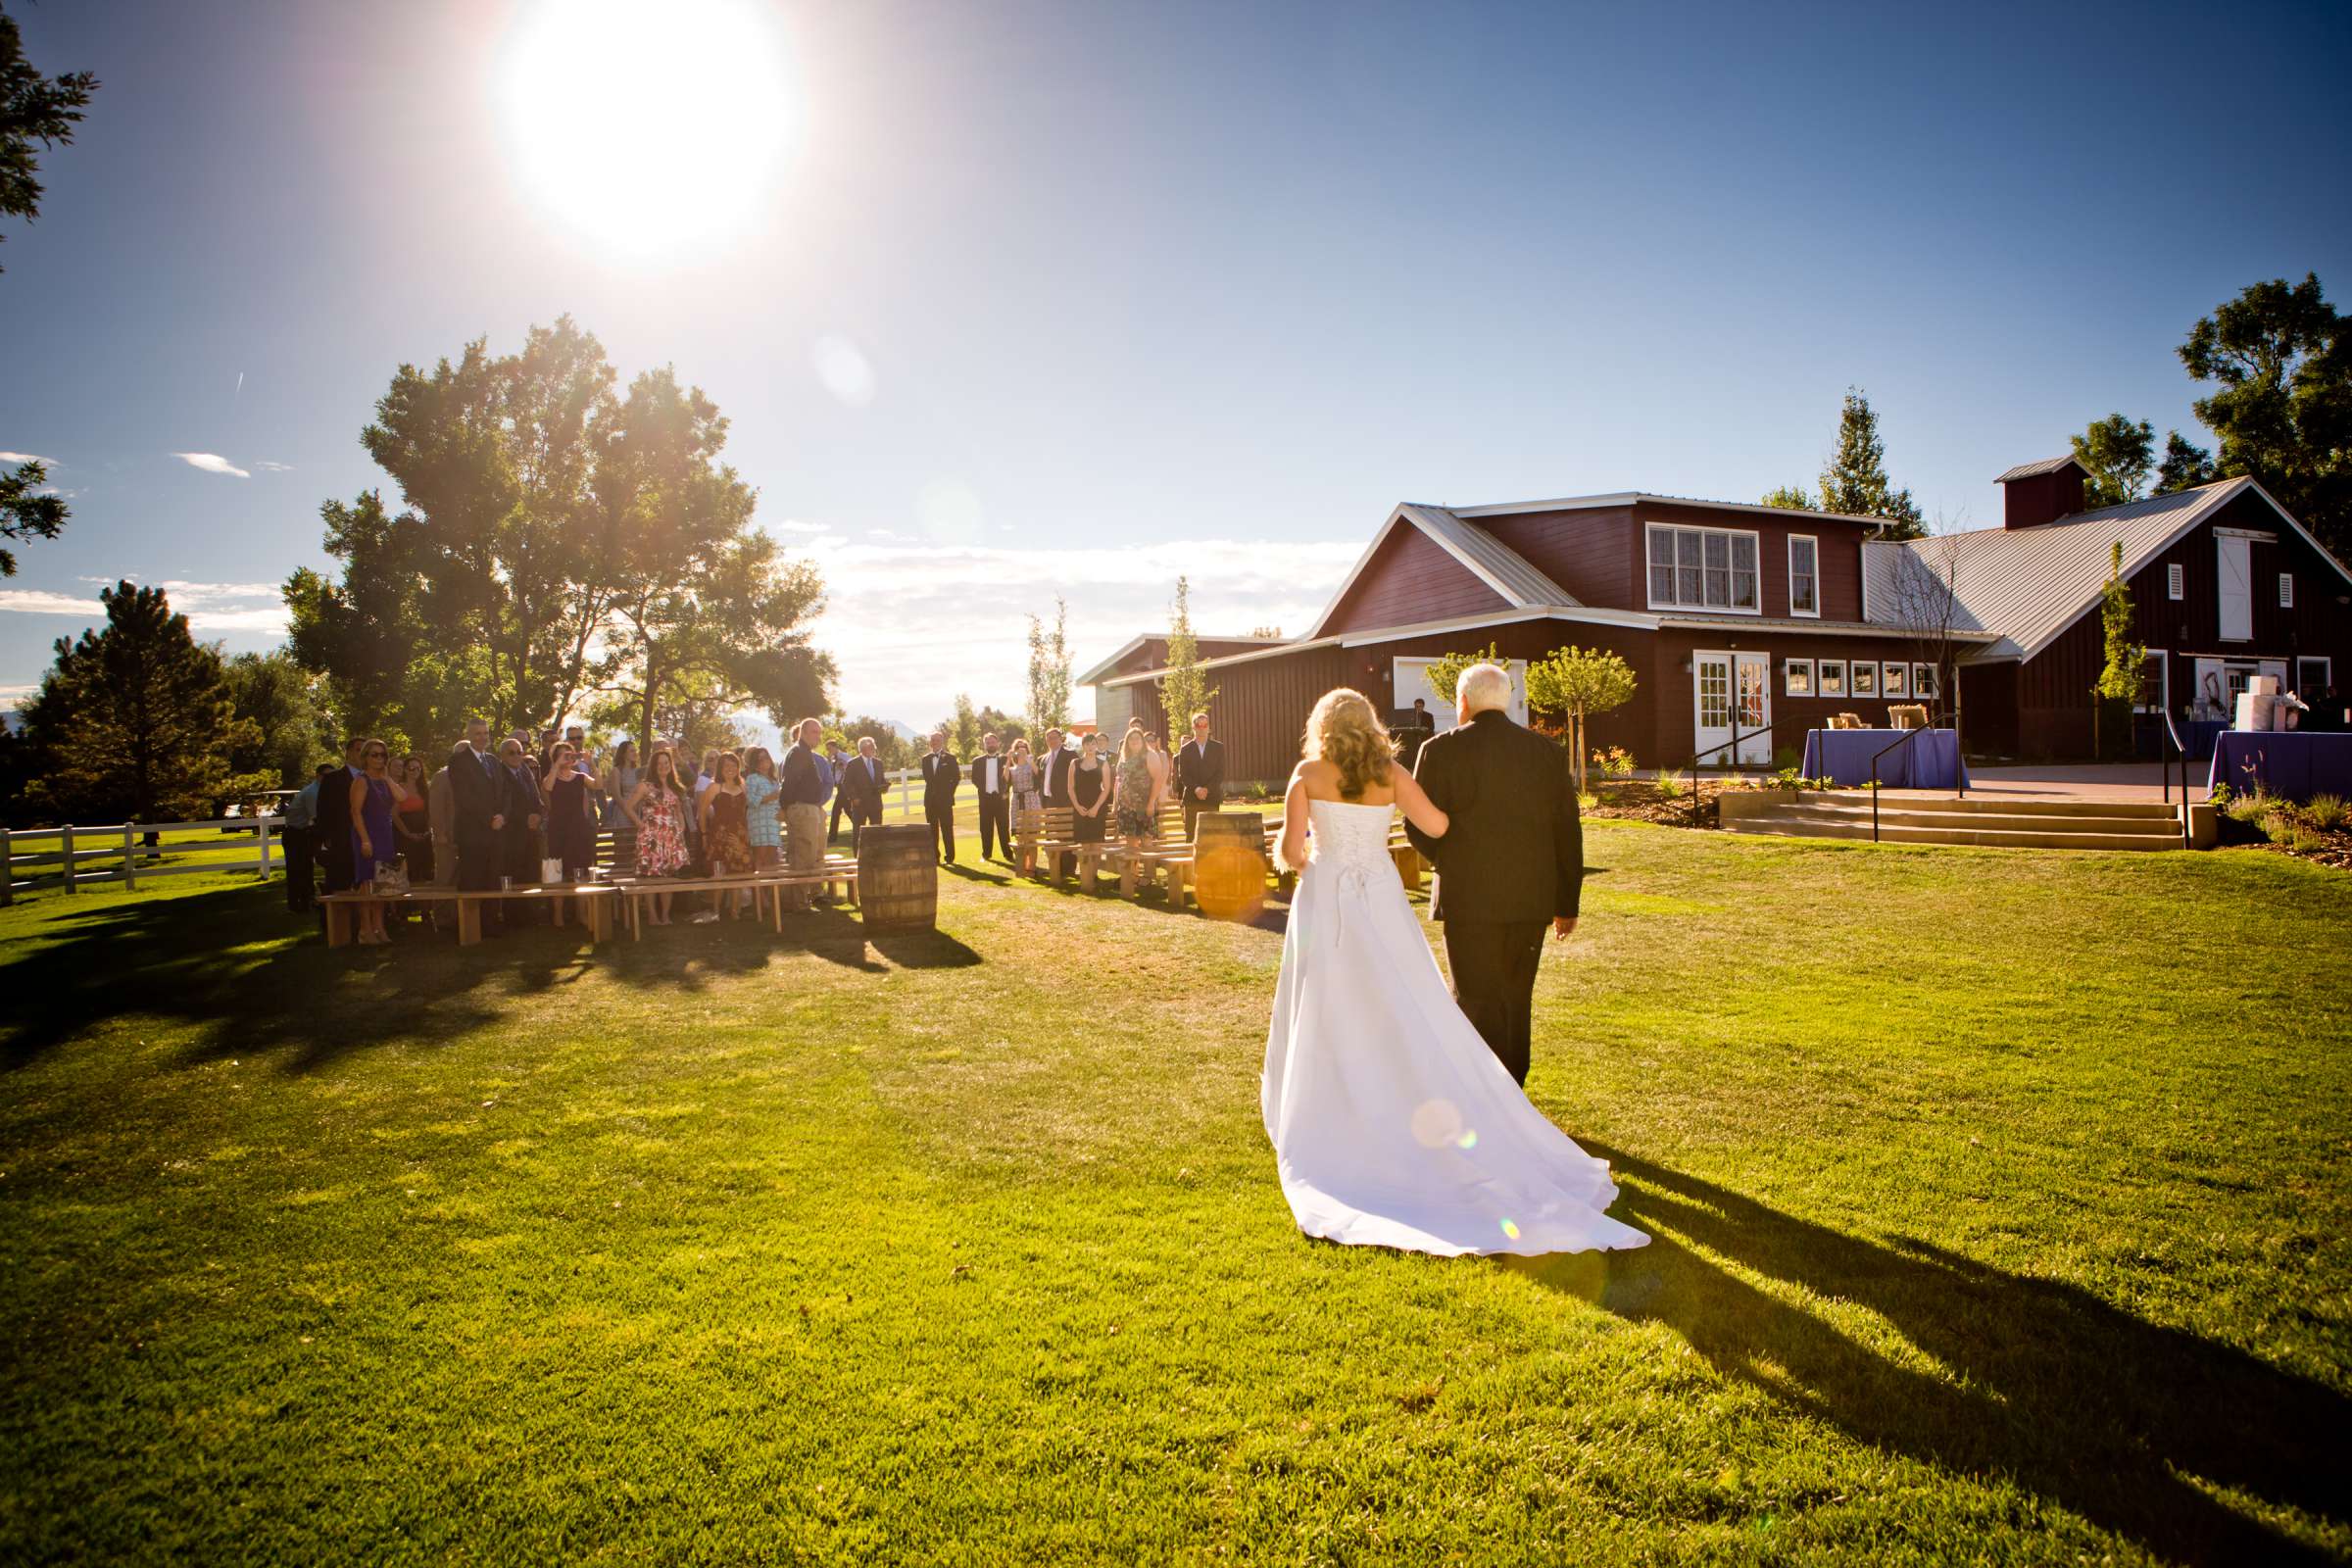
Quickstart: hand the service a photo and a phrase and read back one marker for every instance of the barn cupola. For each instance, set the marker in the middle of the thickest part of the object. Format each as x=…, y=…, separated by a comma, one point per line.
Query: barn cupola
x=2036, y=493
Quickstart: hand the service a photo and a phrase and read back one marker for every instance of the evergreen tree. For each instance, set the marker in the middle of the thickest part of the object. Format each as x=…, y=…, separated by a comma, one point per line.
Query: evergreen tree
x=24, y=511
x=1855, y=481
x=2119, y=455
x=1183, y=689
x=136, y=721
x=33, y=108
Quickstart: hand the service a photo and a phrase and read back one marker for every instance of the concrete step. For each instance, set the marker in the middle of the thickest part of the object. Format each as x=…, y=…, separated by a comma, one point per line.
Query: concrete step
x=1970, y=804
x=1820, y=826
x=1903, y=814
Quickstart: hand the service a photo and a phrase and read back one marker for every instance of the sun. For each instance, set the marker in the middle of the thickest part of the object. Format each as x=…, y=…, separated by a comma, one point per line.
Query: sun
x=653, y=131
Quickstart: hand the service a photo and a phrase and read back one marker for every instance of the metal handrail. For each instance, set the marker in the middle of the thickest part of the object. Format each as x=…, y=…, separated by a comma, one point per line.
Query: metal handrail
x=1905, y=739
x=1771, y=728
x=2171, y=737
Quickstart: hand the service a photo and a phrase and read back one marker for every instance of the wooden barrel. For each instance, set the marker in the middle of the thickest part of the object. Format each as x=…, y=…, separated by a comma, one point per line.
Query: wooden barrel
x=898, y=879
x=1229, y=863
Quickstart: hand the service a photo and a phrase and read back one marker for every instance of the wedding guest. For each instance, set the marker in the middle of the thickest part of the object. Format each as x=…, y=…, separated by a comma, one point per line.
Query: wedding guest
x=1022, y=779
x=657, y=811
x=1053, y=762
x=942, y=772
x=298, y=836
x=1135, y=791
x=413, y=821
x=839, y=756
x=863, y=782
x=334, y=822
x=477, y=824
x=988, y=783
x=1200, y=773
x=621, y=780
x=441, y=822
x=571, y=815
x=1090, y=789
x=802, y=791
x=726, y=835
x=1163, y=772
x=375, y=795
x=523, y=812
x=760, y=787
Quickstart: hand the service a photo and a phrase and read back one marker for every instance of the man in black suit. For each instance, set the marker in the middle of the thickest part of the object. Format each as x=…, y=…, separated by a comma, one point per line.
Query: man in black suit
x=862, y=783
x=475, y=820
x=840, y=801
x=996, y=807
x=336, y=852
x=942, y=773
x=1511, y=862
x=1200, y=773
x=1053, y=784
x=520, y=810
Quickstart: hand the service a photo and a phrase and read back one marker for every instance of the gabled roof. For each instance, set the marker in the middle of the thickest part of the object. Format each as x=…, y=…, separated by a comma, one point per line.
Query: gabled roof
x=1629, y=498
x=1487, y=558
x=2029, y=585
x=1133, y=643
x=2027, y=471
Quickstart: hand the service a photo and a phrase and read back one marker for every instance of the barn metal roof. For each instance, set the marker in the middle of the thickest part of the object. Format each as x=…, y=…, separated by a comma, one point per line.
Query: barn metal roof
x=2026, y=470
x=2029, y=585
x=1509, y=573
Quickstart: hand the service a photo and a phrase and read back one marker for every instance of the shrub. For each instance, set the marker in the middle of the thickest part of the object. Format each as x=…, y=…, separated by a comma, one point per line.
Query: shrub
x=2246, y=807
x=2326, y=811
x=2279, y=828
x=2306, y=842
x=1671, y=784
x=1616, y=762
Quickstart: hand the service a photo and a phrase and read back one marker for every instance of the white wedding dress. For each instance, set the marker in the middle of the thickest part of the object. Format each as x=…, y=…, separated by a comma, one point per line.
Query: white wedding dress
x=1393, y=1124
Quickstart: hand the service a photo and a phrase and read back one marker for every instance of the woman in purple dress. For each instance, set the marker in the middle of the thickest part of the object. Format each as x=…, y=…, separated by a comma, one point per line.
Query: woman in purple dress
x=570, y=814
x=374, y=843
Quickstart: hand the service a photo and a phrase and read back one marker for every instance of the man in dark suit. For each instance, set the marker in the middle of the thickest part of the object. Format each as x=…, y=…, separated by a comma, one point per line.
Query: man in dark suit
x=1053, y=784
x=839, y=800
x=333, y=821
x=520, y=810
x=475, y=821
x=1200, y=773
x=1511, y=862
x=996, y=807
x=942, y=773
x=862, y=783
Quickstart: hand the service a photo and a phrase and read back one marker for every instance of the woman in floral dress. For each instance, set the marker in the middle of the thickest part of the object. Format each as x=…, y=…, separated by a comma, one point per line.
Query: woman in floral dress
x=726, y=832
x=656, y=813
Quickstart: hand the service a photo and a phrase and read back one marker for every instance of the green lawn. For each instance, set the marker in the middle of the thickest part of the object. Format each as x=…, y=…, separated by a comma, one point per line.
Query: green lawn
x=2001, y=1204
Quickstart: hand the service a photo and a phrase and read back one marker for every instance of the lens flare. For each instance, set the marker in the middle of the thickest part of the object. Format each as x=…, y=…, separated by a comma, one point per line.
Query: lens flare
x=1510, y=1230
x=1437, y=1123
x=1468, y=1139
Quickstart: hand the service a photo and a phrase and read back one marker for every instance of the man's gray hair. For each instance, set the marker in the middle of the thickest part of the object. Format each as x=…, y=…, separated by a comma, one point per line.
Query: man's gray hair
x=1484, y=686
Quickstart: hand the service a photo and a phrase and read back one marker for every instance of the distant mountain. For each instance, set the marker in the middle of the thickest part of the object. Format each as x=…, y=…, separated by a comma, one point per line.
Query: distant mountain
x=903, y=731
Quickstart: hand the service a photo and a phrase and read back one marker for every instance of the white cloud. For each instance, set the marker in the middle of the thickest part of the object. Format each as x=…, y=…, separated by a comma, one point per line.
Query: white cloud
x=41, y=602
x=267, y=466
x=912, y=623
x=795, y=525
x=29, y=457
x=212, y=463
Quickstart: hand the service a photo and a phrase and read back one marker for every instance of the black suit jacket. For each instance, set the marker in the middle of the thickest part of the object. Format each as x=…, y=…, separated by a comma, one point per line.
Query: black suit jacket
x=1514, y=850
x=941, y=774
x=333, y=822
x=476, y=791
x=979, y=773
x=1201, y=768
x=859, y=793
x=520, y=799
x=1053, y=776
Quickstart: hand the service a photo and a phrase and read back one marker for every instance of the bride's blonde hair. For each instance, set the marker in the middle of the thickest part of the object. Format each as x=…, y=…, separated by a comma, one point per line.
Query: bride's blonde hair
x=1346, y=732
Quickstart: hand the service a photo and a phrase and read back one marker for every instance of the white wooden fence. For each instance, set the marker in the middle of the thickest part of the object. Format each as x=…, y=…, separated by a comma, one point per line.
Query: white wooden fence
x=55, y=857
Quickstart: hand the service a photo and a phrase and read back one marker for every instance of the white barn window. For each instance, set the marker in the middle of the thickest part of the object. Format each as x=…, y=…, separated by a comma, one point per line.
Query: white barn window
x=1832, y=678
x=1798, y=673
x=1805, y=574
x=1702, y=569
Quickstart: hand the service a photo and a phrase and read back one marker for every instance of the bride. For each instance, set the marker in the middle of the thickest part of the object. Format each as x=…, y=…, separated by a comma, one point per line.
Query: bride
x=1393, y=1124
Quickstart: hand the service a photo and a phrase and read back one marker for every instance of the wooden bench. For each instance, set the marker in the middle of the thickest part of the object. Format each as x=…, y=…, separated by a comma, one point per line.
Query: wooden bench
x=595, y=901
x=1054, y=829
x=766, y=888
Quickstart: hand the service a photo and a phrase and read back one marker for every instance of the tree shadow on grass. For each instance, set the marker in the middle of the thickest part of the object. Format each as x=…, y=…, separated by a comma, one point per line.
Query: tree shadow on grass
x=2096, y=1411
x=221, y=964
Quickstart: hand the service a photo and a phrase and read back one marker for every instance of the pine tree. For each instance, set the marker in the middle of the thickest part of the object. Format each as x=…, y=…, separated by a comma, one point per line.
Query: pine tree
x=136, y=722
x=1855, y=481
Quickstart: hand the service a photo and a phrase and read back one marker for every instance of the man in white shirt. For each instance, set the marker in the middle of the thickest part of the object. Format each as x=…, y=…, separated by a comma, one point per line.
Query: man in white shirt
x=996, y=807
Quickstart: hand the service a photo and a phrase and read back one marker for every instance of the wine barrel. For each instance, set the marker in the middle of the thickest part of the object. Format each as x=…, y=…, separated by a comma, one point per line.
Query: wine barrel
x=1229, y=863
x=898, y=879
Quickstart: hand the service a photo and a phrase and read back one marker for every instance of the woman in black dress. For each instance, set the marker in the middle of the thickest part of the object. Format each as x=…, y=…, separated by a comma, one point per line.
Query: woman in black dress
x=1089, y=794
x=570, y=814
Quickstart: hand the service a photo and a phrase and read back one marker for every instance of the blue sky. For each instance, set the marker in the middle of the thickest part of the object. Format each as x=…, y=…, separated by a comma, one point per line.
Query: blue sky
x=1050, y=297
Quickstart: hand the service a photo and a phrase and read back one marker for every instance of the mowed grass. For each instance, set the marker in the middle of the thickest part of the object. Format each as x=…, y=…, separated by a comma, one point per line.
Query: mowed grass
x=2000, y=1204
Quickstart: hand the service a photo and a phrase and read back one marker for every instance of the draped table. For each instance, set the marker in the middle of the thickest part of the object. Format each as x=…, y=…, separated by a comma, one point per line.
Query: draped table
x=2294, y=764
x=1929, y=760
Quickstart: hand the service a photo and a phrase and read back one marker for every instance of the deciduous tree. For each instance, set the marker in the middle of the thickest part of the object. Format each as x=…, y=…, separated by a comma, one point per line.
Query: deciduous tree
x=1050, y=670
x=2282, y=356
x=1576, y=683
x=1184, y=689
x=2119, y=454
x=1446, y=673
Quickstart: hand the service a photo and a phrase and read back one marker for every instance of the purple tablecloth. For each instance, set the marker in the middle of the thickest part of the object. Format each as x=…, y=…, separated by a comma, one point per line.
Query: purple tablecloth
x=2296, y=765
x=1931, y=761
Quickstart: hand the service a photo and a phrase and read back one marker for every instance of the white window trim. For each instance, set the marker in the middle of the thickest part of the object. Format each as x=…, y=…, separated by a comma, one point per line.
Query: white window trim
x=2325, y=661
x=1900, y=667
x=1815, y=613
x=1821, y=678
x=1854, y=677
x=1650, y=565
x=1789, y=667
x=2286, y=590
x=2176, y=581
x=1918, y=688
x=2164, y=683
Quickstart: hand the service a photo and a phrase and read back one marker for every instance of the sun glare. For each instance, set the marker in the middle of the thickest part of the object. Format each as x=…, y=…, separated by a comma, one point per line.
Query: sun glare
x=653, y=130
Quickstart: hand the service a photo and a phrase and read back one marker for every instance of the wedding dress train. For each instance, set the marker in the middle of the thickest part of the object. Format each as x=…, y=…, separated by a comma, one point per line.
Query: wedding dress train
x=1393, y=1124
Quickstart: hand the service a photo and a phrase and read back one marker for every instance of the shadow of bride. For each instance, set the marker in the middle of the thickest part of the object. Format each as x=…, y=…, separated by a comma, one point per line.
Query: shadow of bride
x=2127, y=1423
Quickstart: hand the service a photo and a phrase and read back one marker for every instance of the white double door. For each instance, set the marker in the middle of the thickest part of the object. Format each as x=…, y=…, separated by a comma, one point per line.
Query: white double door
x=1729, y=686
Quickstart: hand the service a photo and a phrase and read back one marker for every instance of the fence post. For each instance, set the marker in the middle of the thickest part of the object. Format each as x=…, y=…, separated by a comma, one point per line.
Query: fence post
x=67, y=832
x=8, y=868
x=266, y=821
x=130, y=859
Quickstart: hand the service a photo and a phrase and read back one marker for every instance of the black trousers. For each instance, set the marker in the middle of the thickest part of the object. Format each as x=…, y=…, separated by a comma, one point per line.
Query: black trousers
x=941, y=818
x=1194, y=808
x=996, y=824
x=302, y=888
x=1494, y=964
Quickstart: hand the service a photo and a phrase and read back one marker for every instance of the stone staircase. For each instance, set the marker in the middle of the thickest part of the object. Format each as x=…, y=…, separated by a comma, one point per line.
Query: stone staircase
x=1943, y=819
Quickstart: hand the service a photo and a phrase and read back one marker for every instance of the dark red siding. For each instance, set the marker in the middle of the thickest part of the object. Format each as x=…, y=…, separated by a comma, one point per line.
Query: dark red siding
x=1411, y=579
x=1594, y=555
